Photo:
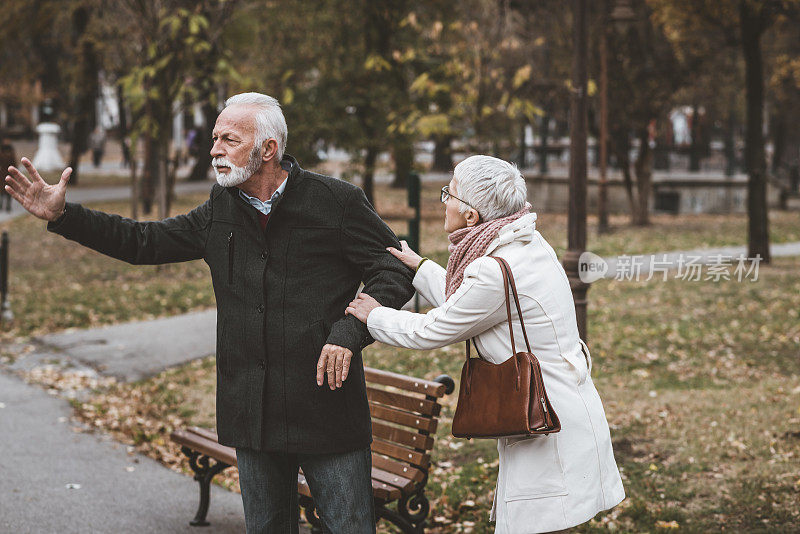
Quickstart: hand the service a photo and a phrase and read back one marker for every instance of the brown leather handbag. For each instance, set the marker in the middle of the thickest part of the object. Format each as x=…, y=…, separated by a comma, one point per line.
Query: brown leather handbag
x=507, y=399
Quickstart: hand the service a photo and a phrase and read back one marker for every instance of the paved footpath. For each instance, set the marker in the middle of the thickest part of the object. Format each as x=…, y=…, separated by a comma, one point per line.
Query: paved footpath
x=140, y=349
x=113, y=491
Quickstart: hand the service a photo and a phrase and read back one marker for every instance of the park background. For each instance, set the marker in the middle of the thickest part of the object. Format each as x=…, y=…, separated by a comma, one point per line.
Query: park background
x=689, y=140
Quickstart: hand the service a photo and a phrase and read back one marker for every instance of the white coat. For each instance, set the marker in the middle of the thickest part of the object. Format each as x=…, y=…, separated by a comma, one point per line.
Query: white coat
x=545, y=483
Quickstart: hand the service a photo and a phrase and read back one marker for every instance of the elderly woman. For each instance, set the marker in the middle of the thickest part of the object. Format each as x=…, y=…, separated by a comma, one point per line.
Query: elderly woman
x=547, y=482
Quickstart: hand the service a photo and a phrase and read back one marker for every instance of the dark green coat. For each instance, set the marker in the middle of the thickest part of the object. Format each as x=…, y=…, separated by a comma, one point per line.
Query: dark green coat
x=281, y=296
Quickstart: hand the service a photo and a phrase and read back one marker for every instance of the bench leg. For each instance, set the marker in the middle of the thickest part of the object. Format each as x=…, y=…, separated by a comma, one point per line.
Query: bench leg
x=412, y=510
x=203, y=474
x=310, y=513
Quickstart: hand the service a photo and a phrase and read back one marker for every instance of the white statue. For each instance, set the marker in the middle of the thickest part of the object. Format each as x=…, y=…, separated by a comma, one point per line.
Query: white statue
x=47, y=157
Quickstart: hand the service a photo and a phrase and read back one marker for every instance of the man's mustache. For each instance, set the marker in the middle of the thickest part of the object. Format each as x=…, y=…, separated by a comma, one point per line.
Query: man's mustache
x=222, y=162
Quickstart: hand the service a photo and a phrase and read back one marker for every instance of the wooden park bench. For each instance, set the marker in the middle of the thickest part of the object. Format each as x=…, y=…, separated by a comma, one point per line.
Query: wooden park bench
x=405, y=413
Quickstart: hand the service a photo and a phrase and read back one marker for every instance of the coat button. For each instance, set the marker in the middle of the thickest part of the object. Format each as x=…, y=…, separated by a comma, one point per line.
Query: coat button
x=264, y=255
x=260, y=308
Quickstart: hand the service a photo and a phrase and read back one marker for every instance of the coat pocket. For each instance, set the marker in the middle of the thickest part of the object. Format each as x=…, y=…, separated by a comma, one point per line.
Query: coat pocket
x=587, y=355
x=533, y=468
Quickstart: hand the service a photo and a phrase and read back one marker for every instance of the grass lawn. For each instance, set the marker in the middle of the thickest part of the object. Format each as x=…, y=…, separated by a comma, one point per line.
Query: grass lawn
x=56, y=284
x=700, y=381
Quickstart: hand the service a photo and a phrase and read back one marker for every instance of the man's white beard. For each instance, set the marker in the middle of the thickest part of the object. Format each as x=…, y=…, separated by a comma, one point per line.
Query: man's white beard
x=237, y=175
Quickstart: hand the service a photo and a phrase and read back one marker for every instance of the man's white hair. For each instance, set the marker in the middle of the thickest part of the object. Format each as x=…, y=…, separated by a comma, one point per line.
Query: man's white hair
x=492, y=186
x=270, y=123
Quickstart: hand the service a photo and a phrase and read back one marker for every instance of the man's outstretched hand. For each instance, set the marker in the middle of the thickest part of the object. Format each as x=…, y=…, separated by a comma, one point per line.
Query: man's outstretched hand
x=41, y=199
x=335, y=362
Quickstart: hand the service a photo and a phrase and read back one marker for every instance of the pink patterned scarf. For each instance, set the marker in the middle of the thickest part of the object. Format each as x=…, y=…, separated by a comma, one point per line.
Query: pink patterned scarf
x=469, y=244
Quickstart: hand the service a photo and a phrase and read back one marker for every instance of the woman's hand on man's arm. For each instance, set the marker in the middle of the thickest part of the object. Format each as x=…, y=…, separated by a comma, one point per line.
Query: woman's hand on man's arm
x=361, y=306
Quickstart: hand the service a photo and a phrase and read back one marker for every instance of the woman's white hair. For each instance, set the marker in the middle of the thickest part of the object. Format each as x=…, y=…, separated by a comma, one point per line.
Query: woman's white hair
x=495, y=188
x=270, y=123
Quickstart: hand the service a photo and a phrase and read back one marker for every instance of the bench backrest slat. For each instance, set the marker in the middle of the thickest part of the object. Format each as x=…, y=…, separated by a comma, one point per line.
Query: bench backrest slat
x=404, y=454
x=406, y=402
x=398, y=468
x=394, y=434
x=391, y=479
x=407, y=383
x=400, y=417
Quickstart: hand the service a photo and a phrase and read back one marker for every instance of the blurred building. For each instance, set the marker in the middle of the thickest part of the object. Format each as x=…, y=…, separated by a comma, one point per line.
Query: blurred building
x=21, y=105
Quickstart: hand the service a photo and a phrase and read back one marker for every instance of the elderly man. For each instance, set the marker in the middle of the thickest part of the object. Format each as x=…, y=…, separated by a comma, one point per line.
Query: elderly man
x=287, y=250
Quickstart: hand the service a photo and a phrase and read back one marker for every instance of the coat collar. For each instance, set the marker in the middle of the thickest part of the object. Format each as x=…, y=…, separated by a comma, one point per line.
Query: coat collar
x=296, y=175
x=290, y=164
x=520, y=230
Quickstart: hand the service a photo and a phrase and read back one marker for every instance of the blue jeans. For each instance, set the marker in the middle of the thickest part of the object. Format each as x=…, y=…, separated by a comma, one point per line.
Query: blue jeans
x=340, y=483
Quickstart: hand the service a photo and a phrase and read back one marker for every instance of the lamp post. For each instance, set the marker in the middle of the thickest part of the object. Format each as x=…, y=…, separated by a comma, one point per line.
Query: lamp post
x=576, y=215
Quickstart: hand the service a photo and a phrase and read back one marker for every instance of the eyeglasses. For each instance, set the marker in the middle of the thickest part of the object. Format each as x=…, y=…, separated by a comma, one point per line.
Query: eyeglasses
x=445, y=196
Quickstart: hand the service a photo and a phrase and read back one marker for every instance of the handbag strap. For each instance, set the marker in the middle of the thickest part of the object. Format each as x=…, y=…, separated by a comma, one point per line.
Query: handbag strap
x=508, y=278
x=472, y=341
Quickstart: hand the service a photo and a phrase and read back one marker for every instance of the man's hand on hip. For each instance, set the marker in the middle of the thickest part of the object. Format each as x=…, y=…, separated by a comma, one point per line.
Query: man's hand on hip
x=335, y=362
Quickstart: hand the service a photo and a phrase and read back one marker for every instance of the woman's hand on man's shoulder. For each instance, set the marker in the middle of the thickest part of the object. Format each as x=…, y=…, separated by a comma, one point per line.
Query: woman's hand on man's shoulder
x=409, y=258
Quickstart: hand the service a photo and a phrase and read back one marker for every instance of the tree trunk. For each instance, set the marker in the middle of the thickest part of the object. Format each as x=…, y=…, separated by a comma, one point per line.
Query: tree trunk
x=168, y=164
x=134, y=183
x=621, y=146
x=203, y=142
x=87, y=87
x=368, y=181
x=644, y=179
x=778, y=123
x=172, y=175
x=163, y=188
x=755, y=161
x=148, y=181
x=80, y=134
x=442, y=154
x=403, y=152
x=123, y=130
x=521, y=162
x=730, y=138
x=544, y=130
x=694, y=148
x=602, y=156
